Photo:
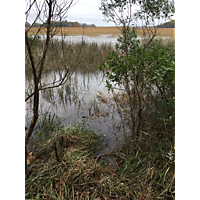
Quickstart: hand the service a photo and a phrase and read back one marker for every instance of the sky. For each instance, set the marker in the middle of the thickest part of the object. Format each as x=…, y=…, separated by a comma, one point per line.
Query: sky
x=85, y=11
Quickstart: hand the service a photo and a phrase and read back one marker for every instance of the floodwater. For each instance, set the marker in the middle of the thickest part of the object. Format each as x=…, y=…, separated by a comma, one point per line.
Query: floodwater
x=103, y=38
x=83, y=98
x=100, y=39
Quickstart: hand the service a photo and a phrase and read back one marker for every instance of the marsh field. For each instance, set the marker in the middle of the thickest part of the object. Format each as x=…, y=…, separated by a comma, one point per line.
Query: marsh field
x=94, y=124
x=97, y=31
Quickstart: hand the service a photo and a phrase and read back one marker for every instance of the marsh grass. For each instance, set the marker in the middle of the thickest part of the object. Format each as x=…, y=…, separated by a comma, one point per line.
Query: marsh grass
x=112, y=31
x=69, y=53
x=46, y=124
x=161, y=32
x=144, y=169
x=79, y=31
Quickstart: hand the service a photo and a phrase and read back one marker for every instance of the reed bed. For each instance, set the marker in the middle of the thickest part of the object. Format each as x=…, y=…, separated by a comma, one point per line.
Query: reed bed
x=91, y=56
x=97, y=31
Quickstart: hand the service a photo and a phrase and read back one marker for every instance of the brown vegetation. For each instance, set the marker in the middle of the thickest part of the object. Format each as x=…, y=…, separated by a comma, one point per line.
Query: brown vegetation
x=71, y=171
x=97, y=31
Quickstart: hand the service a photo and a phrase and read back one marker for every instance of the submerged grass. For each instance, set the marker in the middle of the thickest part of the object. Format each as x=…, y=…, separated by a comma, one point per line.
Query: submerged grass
x=65, y=168
x=59, y=55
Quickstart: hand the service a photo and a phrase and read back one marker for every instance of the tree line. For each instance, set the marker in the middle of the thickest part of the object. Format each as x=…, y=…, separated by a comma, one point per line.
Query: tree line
x=61, y=24
x=170, y=24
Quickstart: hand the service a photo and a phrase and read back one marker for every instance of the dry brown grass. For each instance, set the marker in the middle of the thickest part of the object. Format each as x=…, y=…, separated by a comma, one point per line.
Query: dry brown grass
x=79, y=175
x=170, y=32
x=113, y=31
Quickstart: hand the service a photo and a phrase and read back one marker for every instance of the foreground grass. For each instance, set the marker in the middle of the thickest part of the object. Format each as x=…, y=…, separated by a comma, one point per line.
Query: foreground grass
x=65, y=168
x=97, y=31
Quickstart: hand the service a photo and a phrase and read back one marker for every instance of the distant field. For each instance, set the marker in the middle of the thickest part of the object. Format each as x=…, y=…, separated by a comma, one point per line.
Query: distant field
x=161, y=32
x=113, y=31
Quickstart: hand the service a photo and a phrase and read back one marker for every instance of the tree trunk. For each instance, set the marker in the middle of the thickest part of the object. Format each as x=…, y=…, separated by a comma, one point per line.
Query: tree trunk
x=26, y=153
x=36, y=97
x=37, y=77
x=50, y=9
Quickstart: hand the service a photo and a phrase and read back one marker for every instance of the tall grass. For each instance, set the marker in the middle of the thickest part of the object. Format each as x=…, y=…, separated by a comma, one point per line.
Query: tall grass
x=70, y=53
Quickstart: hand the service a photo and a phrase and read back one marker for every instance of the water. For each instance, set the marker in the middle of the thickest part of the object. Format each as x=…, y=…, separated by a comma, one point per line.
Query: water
x=103, y=38
x=80, y=100
x=99, y=40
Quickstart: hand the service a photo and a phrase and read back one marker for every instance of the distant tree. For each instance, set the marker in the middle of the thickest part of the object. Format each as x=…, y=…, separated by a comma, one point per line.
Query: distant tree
x=170, y=24
x=84, y=25
x=36, y=24
x=76, y=24
x=92, y=25
x=27, y=24
x=64, y=23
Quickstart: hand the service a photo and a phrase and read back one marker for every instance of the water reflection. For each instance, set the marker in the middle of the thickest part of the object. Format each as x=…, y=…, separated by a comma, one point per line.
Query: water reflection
x=83, y=98
x=103, y=38
x=89, y=39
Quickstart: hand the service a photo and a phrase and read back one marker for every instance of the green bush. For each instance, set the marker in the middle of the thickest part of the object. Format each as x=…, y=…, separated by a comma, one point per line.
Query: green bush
x=148, y=76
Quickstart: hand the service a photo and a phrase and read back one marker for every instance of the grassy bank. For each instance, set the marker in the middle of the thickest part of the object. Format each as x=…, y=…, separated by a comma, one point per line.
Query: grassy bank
x=97, y=31
x=65, y=168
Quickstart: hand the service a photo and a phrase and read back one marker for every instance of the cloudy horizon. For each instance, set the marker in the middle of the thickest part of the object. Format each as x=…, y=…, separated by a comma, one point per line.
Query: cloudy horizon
x=84, y=11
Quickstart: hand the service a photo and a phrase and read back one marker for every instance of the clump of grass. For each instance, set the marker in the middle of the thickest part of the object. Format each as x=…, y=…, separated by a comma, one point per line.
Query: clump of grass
x=148, y=163
x=66, y=168
x=47, y=123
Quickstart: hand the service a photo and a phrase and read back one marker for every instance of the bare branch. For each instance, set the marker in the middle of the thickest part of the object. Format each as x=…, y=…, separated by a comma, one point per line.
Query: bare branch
x=45, y=11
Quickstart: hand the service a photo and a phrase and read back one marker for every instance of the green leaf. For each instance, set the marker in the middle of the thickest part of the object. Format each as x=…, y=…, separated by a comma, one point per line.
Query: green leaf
x=155, y=77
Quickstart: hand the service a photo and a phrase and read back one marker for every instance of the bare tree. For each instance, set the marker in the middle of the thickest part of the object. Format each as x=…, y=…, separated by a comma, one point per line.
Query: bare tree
x=46, y=12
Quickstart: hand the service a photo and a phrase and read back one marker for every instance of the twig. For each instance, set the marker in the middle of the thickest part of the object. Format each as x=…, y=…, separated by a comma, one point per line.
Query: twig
x=56, y=151
x=145, y=133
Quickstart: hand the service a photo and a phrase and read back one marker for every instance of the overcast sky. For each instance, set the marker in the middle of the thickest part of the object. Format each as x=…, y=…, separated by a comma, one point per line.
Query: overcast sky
x=85, y=11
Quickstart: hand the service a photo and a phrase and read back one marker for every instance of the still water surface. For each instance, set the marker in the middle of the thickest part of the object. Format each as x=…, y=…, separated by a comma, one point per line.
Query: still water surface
x=79, y=100
x=103, y=38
